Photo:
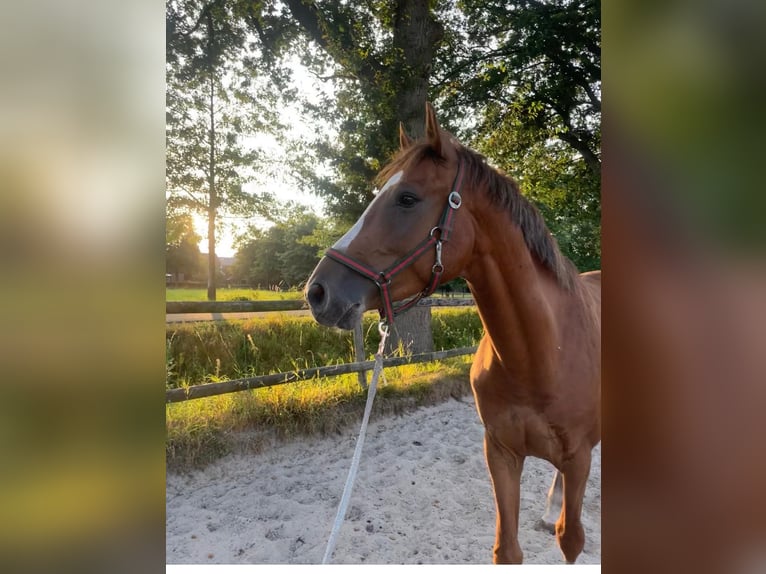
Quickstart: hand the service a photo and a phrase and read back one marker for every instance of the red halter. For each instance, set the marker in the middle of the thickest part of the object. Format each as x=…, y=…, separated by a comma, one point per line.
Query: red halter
x=435, y=238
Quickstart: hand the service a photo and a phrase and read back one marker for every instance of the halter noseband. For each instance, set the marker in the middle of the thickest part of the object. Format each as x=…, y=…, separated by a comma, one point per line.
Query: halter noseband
x=439, y=234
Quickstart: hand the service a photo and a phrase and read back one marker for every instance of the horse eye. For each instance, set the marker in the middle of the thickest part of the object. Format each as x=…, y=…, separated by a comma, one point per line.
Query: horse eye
x=407, y=199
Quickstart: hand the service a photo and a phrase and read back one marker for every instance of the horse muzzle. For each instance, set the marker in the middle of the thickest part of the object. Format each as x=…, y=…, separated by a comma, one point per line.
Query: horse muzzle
x=337, y=296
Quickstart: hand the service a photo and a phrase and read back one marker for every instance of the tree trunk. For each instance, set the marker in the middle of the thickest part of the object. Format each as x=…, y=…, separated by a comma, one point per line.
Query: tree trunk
x=416, y=37
x=591, y=159
x=211, y=204
x=212, y=198
x=211, y=266
x=411, y=331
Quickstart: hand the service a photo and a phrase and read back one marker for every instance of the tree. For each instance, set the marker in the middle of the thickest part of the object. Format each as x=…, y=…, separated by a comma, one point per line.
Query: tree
x=382, y=54
x=257, y=259
x=298, y=257
x=524, y=75
x=379, y=54
x=247, y=252
x=519, y=81
x=181, y=246
x=536, y=62
x=531, y=76
x=280, y=255
x=211, y=107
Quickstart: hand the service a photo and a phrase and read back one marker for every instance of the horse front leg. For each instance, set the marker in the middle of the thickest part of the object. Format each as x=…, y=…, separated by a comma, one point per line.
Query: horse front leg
x=569, y=530
x=505, y=470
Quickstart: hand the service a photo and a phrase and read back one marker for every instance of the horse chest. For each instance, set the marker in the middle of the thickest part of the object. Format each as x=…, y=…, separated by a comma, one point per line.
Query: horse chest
x=511, y=418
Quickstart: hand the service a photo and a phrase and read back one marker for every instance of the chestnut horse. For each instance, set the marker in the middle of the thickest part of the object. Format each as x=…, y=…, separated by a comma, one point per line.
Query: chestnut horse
x=442, y=212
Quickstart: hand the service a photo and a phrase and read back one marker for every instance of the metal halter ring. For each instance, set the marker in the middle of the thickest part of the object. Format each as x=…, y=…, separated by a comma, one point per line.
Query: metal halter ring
x=454, y=200
x=386, y=280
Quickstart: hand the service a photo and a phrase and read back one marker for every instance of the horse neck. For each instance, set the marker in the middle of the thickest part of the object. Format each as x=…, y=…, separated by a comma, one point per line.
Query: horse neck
x=517, y=299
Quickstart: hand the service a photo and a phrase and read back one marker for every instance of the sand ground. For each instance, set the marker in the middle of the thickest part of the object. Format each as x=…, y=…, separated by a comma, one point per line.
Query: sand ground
x=423, y=495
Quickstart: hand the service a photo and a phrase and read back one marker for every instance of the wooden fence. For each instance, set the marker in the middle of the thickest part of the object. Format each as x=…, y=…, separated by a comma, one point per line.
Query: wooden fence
x=259, y=382
x=178, y=307
x=211, y=389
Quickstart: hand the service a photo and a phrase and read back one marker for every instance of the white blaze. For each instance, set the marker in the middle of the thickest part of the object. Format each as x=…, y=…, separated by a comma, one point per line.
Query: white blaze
x=351, y=234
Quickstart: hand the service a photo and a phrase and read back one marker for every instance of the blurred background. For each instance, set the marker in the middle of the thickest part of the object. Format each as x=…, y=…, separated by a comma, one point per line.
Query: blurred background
x=685, y=289
x=85, y=199
x=82, y=161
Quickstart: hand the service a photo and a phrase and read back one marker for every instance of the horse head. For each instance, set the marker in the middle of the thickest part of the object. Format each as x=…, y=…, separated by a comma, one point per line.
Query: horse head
x=413, y=236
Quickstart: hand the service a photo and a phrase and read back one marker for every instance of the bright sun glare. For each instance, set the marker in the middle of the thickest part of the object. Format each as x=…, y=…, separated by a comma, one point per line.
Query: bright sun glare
x=310, y=88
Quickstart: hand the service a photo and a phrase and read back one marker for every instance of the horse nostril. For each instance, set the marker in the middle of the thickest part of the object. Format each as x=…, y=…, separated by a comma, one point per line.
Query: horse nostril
x=315, y=295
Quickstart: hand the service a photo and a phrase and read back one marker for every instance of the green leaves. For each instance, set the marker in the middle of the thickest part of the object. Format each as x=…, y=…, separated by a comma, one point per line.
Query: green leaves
x=529, y=72
x=518, y=80
x=182, y=256
x=281, y=255
x=217, y=97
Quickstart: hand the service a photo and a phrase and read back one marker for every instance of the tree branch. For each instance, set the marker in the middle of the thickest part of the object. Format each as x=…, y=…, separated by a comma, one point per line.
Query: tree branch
x=333, y=76
x=337, y=44
x=203, y=12
x=192, y=198
x=570, y=136
x=590, y=157
x=594, y=100
x=454, y=71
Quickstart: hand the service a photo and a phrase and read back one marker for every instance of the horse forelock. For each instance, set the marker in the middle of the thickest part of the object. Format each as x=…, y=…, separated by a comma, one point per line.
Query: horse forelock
x=502, y=191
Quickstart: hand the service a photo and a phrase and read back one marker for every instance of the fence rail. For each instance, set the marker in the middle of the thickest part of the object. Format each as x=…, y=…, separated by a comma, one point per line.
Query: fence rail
x=177, y=307
x=360, y=366
x=212, y=389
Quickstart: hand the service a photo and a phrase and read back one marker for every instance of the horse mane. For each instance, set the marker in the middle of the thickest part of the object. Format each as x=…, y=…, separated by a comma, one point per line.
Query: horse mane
x=502, y=191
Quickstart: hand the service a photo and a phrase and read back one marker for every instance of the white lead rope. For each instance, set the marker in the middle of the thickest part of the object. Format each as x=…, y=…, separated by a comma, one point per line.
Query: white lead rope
x=344, y=500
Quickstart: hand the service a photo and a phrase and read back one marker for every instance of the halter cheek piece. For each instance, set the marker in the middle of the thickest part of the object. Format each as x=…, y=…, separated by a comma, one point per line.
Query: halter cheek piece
x=439, y=234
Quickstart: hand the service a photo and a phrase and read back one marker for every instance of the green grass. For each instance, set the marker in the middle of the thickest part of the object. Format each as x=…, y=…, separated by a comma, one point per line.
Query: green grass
x=220, y=350
x=223, y=350
x=223, y=294
x=200, y=431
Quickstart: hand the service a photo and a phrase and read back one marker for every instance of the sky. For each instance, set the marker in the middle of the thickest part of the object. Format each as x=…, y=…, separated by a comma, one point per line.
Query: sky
x=311, y=88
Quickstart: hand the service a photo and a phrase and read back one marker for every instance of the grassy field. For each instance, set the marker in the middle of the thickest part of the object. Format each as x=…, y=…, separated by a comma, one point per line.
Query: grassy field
x=223, y=350
x=223, y=294
x=200, y=431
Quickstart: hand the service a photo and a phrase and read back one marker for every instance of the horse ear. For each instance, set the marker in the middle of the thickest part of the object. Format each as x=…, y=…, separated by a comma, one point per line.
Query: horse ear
x=433, y=133
x=404, y=139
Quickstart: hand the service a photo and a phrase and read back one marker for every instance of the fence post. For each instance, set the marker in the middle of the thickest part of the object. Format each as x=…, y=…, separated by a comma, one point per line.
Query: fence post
x=359, y=354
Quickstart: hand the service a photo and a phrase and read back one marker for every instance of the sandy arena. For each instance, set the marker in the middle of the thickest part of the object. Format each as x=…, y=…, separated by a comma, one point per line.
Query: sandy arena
x=423, y=495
